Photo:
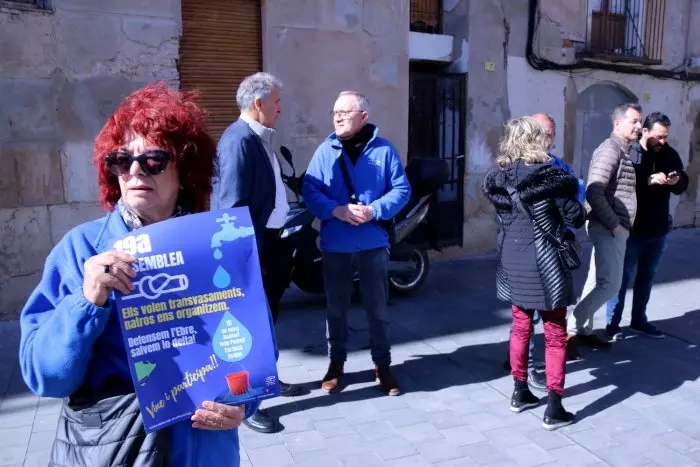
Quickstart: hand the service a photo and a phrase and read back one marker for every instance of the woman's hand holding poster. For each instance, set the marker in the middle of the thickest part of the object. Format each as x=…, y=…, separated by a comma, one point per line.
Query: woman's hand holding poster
x=197, y=326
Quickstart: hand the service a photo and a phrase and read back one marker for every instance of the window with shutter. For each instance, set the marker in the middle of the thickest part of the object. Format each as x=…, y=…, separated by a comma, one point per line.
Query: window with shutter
x=221, y=44
x=626, y=29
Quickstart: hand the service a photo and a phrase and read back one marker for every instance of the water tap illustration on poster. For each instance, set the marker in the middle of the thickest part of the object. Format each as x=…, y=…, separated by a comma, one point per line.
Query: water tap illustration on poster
x=196, y=327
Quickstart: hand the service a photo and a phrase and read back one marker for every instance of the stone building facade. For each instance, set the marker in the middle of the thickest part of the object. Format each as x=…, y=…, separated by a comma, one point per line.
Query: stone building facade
x=580, y=100
x=63, y=70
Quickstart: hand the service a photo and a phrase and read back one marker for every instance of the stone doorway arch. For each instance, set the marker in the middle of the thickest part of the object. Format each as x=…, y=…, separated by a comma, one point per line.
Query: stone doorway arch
x=594, y=108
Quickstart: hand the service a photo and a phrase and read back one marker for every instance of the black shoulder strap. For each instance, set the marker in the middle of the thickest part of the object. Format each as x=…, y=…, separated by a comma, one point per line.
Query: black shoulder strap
x=346, y=176
x=515, y=197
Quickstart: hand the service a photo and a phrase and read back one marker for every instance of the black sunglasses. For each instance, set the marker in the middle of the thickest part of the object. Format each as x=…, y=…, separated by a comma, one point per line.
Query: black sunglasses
x=151, y=162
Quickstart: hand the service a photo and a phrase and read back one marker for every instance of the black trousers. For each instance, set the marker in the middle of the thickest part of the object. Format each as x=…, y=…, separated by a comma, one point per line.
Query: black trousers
x=276, y=264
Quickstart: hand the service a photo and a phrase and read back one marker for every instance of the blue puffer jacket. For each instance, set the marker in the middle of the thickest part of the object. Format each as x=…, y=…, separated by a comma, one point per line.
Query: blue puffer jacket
x=67, y=341
x=380, y=181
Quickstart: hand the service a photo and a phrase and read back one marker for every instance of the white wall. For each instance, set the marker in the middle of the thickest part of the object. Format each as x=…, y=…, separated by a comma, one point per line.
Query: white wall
x=433, y=47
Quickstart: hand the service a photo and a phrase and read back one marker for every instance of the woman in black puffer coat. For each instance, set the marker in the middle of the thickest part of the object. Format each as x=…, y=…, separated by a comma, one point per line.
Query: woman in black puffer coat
x=531, y=275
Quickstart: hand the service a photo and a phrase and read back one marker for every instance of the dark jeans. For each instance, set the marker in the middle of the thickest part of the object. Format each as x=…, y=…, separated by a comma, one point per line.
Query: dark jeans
x=276, y=265
x=644, y=254
x=372, y=267
x=555, y=345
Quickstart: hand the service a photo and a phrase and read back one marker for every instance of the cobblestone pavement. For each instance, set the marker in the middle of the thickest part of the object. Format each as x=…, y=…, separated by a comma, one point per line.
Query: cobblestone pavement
x=636, y=404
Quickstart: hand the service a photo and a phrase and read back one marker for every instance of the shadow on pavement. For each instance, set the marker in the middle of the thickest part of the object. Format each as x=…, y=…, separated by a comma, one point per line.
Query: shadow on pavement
x=635, y=366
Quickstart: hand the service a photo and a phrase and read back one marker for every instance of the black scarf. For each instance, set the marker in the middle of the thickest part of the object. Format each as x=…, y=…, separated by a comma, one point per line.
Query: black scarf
x=355, y=144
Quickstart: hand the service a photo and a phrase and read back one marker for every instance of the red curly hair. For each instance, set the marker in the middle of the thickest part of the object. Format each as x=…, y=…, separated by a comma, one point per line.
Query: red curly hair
x=171, y=120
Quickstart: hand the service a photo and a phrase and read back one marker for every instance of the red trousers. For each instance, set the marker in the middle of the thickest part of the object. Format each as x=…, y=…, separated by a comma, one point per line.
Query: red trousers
x=555, y=345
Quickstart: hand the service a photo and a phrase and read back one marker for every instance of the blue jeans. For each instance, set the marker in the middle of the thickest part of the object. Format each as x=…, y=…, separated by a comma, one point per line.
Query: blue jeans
x=531, y=345
x=372, y=266
x=644, y=254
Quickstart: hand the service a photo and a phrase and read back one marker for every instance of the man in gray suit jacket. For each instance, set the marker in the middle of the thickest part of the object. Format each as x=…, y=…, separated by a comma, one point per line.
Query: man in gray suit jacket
x=249, y=174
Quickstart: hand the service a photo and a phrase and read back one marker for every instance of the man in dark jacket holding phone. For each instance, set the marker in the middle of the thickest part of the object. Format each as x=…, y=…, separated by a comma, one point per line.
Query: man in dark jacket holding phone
x=659, y=172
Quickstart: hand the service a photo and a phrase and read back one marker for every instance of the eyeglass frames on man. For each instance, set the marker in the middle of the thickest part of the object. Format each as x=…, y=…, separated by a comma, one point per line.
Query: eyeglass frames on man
x=343, y=113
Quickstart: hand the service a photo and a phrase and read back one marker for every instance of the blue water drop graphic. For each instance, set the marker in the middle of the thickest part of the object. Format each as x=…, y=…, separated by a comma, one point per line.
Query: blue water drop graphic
x=232, y=341
x=221, y=279
x=218, y=254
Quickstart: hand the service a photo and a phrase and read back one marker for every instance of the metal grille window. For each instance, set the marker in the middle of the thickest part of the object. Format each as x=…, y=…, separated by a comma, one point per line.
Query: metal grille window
x=426, y=16
x=626, y=29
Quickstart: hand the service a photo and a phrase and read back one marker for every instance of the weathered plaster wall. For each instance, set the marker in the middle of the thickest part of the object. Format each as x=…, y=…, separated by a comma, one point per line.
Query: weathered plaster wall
x=487, y=108
x=455, y=22
x=688, y=212
x=694, y=37
x=321, y=47
x=61, y=75
x=676, y=24
x=498, y=35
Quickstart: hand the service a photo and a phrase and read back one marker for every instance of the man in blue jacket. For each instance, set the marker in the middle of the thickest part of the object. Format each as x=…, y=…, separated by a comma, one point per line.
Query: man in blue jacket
x=550, y=127
x=249, y=174
x=352, y=235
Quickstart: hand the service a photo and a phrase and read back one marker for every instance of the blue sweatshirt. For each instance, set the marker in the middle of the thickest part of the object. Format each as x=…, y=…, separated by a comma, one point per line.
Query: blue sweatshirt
x=380, y=181
x=67, y=341
x=559, y=162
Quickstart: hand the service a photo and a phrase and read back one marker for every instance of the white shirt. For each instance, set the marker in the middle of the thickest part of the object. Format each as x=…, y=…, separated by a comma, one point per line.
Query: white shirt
x=279, y=214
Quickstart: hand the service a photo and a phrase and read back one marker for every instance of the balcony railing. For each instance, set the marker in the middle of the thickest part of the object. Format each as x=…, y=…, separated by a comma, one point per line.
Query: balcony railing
x=626, y=30
x=426, y=16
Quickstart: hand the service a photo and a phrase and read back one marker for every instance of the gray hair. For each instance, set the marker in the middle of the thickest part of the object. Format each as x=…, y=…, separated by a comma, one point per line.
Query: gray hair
x=621, y=110
x=524, y=139
x=362, y=101
x=257, y=86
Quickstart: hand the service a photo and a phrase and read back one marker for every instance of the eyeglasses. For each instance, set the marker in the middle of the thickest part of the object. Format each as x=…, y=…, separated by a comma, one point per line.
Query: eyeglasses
x=343, y=113
x=151, y=162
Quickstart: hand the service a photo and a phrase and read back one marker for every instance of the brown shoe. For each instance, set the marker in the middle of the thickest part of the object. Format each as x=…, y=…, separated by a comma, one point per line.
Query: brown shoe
x=571, y=349
x=594, y=341
x=386, y=380
x=334, y=376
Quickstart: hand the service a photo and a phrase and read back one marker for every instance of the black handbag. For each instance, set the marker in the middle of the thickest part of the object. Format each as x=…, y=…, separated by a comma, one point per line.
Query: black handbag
x=569, y=250
x=105, y=429
x=388, y=225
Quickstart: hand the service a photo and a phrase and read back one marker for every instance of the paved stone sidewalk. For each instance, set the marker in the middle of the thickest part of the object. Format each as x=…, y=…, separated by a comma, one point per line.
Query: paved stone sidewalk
x=636, y=405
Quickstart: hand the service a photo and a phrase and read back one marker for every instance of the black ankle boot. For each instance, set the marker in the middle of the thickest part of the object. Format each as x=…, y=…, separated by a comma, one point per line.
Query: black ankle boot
x=522, y=397
x=555, y=416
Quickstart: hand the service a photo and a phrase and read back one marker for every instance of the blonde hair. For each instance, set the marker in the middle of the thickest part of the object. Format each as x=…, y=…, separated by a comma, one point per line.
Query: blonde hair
x=524, y=138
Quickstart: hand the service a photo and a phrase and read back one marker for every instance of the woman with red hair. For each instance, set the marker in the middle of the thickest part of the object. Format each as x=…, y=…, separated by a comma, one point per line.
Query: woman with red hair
x=154, y=161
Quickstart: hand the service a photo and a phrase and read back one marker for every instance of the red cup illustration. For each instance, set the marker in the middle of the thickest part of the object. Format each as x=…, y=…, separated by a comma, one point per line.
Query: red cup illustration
x=237, y=382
